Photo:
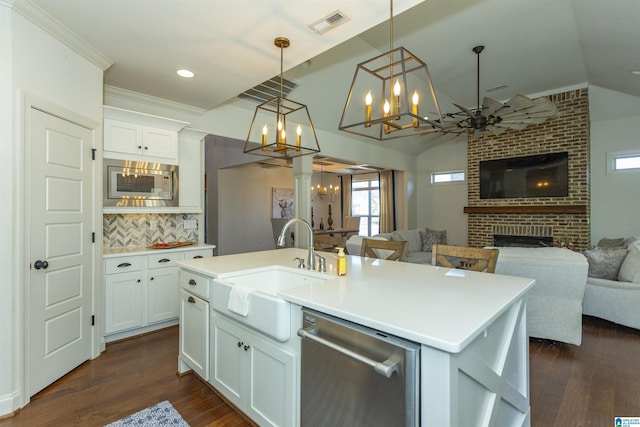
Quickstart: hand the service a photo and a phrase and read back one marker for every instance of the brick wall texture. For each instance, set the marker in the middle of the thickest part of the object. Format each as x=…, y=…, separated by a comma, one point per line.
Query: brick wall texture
x=567, y=131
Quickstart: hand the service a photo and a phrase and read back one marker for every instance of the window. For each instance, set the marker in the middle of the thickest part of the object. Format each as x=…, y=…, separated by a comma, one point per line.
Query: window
x=623, y=161
x=365, y=203
x=442, y=177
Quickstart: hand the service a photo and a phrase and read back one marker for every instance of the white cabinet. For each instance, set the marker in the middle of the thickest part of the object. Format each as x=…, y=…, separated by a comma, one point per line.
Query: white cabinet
x=254, y=373
x=141, y=291
x=129, y=135
x=124, y=298
x=195, y=291
x=191, y=164
x=127, y=139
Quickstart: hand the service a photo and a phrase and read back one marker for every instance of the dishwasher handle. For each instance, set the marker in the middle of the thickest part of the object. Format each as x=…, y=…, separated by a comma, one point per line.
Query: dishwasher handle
x=386, y=368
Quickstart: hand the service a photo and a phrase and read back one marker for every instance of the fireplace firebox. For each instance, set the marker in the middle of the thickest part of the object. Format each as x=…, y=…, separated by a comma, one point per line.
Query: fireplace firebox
x=504, y=240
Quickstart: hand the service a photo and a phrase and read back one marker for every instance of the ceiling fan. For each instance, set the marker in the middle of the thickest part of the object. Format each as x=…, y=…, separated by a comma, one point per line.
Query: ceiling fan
x=495, y=116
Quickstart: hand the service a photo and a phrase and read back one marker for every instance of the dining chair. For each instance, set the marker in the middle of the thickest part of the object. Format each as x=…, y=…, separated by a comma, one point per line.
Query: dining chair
x=351, y=223
x=393, y=250
x=328, y=242
x=465, y=258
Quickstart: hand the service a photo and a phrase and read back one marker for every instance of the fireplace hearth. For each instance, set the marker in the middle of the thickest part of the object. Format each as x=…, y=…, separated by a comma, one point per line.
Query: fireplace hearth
x=504, y=240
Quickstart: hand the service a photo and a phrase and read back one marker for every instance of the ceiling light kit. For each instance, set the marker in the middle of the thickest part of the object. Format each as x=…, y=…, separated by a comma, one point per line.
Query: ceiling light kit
x=391, y=96
x=187, y=74
x=496, y=117
x=332, y=194
x=268, y=134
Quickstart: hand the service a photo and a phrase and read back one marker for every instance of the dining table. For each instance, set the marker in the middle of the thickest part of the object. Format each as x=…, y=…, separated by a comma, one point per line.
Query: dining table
x=341, y=231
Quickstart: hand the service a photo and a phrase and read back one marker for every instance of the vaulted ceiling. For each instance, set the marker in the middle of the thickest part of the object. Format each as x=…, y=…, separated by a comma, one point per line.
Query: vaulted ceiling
x=531, y=47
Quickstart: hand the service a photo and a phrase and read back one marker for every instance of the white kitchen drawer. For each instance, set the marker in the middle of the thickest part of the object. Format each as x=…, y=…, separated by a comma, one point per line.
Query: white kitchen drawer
x=122, y=264
x=163, y=259
x=195, y=284
x=200, y=253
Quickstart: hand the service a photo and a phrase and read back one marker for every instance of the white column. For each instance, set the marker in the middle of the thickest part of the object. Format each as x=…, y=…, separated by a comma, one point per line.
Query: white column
x=302, y=171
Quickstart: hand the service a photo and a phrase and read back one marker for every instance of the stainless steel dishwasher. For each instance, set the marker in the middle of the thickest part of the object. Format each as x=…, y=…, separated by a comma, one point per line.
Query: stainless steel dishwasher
x=356, y=376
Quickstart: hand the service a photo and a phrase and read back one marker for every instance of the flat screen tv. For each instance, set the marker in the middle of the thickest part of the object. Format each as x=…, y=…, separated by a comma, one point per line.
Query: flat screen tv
x=541, y=175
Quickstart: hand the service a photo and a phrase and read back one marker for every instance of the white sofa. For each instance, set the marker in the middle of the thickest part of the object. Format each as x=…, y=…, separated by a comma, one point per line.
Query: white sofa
x=554, y=305
x=419, y=239
x=615, y=294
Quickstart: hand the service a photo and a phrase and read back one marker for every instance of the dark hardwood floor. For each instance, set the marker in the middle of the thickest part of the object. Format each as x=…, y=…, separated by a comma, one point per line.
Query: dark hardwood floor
x=570, y=386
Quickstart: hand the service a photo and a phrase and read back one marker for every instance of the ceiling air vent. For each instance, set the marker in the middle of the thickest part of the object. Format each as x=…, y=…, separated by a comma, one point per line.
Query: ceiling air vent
x=329, y=22
x=268, y=90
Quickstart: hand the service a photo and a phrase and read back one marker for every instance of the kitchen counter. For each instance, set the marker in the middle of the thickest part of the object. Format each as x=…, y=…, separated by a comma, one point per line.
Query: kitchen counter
x=472, y=327
x=438, y=307
x=145, y=250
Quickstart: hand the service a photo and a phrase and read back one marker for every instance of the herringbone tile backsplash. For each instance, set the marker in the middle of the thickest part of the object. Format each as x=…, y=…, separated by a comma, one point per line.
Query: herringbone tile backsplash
x=121, y=230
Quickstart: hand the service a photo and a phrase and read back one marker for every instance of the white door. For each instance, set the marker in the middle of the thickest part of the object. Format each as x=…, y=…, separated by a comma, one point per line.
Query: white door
x=61, y=262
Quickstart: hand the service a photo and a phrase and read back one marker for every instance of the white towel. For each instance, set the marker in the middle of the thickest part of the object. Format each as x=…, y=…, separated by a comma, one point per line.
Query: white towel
x=239, y=299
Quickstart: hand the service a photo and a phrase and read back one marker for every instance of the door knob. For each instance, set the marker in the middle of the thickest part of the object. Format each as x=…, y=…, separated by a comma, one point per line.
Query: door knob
x=40, y=265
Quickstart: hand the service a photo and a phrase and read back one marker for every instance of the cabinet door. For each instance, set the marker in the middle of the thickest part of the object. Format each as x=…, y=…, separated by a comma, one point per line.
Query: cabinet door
x=227, y=362
x=160, y=143
x=271, y=395
x=194, y=333
x=191, y=176
x=123, y=302
x=162, y=294
x=122, y=137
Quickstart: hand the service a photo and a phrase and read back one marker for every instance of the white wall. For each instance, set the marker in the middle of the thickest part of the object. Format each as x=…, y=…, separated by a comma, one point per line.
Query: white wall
x=615, y=198
x=440, y=206
x=35, y=64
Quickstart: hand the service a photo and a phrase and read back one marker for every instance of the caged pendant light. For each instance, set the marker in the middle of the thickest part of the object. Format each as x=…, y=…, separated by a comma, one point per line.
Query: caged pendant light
x=391, y=96
x=281, y=128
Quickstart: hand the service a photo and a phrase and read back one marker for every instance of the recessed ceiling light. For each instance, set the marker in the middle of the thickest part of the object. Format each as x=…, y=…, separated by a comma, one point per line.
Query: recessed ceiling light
x=185, y=73
x=635, y=72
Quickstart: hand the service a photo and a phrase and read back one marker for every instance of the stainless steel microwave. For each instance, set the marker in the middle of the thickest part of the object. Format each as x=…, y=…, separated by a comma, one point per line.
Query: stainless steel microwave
x=129, y=183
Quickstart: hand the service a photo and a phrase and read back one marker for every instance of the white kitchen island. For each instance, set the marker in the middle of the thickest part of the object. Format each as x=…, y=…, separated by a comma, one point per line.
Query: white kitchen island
x=474, y=361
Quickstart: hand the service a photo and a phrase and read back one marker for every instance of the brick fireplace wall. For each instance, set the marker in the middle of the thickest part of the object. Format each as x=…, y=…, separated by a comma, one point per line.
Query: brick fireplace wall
x=566, y=219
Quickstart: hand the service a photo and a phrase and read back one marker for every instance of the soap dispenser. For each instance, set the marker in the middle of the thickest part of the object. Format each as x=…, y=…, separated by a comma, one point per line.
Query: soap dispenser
x=342, y=262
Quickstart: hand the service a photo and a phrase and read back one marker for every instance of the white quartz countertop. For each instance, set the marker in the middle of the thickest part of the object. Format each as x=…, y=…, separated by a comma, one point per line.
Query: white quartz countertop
x=144, y=250
x=435, y=306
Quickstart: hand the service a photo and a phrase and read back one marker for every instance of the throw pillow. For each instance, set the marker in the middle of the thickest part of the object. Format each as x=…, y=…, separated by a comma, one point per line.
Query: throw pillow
x=611, y=243
x=411, y=236
x=630, y=268
x=431, y=237
x=604, y=263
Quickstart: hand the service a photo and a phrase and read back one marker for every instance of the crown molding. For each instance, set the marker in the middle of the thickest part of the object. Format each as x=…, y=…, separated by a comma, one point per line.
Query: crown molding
x=152, y=101
x=54, y=27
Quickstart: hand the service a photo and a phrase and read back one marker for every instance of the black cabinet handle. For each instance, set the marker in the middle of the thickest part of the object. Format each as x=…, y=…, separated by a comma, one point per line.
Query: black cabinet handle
x=152, y=278
x=246, y=347
x=124, y=264
x=191, y=300
x=139, y=280
x=240, y=343
x=198, y=257
x=164, y=260
x=192, y=282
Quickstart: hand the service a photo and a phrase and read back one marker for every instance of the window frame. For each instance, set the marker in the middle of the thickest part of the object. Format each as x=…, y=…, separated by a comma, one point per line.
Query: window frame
x=448, y=172
x=366, y=178
x=612, y=157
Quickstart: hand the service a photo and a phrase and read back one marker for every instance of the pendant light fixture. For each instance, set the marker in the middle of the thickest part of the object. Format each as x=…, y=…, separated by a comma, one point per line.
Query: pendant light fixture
x=281, y=128
x=321, y=192
x=391, y=96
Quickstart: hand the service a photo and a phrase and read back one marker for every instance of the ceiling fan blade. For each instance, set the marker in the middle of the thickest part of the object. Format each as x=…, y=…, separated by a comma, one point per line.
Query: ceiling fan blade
x=469, y=112
x=490, y=106
x=518, y=102
x=516, y=126
x=495, y=129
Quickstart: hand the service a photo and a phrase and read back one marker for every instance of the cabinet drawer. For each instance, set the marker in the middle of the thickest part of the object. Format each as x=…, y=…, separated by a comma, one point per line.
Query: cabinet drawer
x=200, y=253
x=122, y=264
x=164, y=259
x=196, y=284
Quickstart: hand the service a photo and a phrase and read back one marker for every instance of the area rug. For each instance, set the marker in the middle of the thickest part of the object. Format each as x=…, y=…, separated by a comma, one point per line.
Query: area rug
x=162, y=414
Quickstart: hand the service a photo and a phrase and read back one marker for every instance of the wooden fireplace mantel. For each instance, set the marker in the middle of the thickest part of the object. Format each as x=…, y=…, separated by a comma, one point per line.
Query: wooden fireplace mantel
x=538, y=209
